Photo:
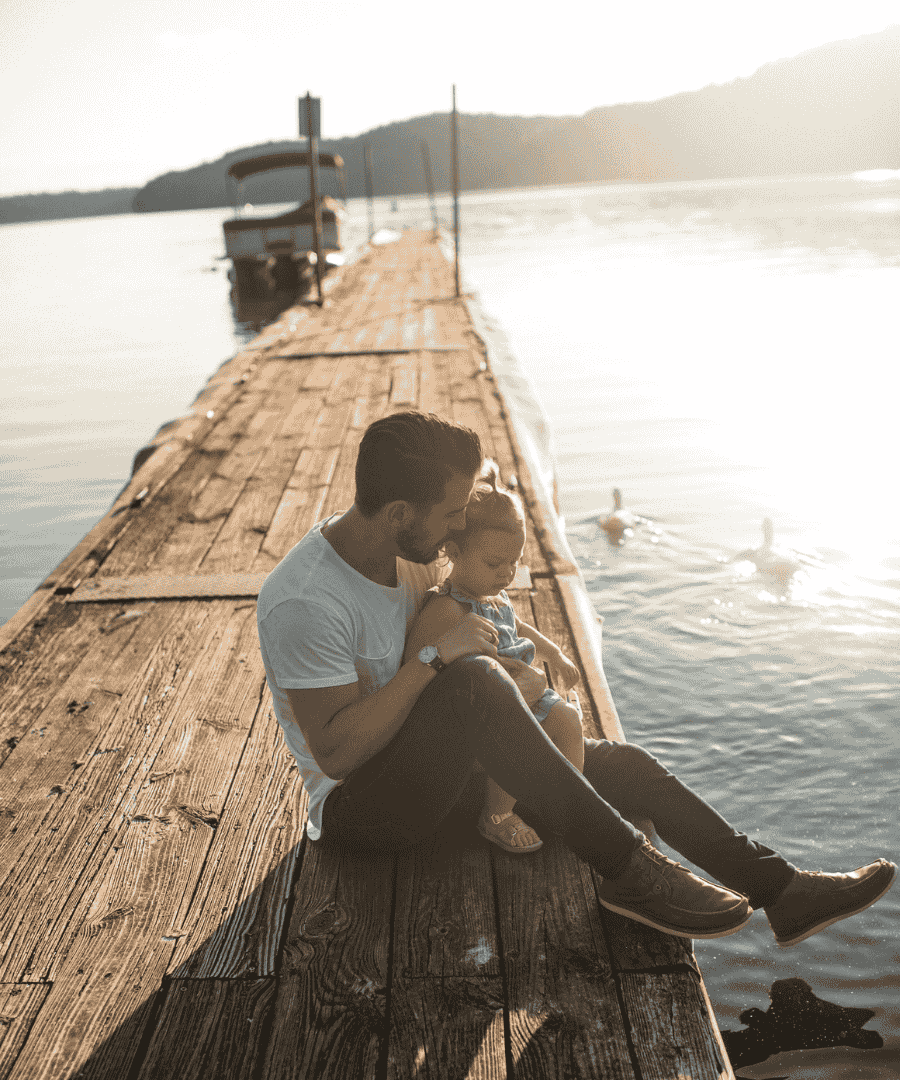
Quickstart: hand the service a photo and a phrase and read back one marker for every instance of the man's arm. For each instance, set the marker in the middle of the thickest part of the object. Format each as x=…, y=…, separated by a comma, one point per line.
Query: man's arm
x=343, y=729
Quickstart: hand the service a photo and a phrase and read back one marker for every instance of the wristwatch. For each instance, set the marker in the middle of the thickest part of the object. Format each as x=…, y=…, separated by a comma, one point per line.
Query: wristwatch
x=428, y=654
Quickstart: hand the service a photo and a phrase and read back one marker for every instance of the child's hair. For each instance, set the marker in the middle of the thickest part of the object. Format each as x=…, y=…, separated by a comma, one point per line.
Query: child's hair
x=492, y=506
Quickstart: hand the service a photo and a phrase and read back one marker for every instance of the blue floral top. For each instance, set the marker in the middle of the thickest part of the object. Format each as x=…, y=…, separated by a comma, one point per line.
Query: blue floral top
x=511, y=644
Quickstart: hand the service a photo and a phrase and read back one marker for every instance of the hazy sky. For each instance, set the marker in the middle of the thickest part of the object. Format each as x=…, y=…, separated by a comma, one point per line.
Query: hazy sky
x=109, y=93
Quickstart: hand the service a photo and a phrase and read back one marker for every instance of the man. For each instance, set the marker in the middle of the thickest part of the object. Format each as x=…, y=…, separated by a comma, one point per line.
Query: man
x=386, y=747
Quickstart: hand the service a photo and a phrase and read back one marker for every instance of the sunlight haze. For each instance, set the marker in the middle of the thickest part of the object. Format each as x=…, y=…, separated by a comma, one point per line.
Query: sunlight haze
x=100, y=94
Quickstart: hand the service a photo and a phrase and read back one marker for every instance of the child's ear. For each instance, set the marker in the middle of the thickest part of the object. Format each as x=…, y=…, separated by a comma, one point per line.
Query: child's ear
x=451, y=550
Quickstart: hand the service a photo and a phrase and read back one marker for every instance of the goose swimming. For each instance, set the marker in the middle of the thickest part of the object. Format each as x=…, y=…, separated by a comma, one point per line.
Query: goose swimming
x=769, y=559
x=620, y=522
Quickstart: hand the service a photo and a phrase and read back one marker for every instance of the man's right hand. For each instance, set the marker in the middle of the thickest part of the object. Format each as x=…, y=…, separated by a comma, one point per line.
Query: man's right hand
x=531, y=682
x=472, y=634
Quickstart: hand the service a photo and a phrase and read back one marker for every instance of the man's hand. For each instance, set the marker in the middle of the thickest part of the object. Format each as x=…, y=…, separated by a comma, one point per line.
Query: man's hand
x=531, y=682
x=563, y=672
x=472, y=634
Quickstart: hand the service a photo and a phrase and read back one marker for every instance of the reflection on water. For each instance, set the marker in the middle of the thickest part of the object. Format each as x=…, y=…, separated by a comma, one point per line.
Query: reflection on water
x=723, y=352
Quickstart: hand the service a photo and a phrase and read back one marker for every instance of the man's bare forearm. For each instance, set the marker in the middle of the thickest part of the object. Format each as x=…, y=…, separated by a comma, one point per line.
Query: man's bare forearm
x=361, y=729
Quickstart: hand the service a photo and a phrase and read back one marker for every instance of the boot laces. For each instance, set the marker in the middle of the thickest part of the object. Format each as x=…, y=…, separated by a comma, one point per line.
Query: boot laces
x=664, y=865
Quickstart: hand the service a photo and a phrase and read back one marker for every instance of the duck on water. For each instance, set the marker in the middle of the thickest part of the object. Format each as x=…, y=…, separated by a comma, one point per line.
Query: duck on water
x=777, y=562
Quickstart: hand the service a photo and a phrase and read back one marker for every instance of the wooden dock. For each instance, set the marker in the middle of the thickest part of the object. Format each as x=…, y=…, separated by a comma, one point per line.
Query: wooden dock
x=162, y=914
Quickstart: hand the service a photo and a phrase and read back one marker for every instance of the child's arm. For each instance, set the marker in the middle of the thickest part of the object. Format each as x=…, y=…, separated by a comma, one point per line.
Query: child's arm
x=564, y=673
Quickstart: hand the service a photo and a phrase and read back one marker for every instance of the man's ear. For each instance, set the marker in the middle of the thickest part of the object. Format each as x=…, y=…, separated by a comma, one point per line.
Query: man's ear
x=398, y=514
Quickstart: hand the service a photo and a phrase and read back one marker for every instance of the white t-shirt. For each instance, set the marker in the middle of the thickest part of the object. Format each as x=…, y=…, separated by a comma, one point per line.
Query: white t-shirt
x=322, y=623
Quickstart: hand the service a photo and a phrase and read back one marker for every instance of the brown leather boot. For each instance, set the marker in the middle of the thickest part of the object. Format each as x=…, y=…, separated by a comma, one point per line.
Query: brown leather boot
x=664, y=894
x=814, y=900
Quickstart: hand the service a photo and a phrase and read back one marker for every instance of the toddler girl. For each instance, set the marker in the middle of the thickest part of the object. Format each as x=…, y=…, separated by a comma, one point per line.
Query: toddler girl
x=485, y=556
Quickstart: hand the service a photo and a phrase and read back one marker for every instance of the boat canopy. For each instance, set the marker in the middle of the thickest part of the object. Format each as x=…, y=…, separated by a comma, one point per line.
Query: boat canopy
x=241, y=169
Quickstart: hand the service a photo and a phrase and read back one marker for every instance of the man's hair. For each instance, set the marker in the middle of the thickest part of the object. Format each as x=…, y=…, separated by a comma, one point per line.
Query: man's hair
x=411, y=456
x=492, y=506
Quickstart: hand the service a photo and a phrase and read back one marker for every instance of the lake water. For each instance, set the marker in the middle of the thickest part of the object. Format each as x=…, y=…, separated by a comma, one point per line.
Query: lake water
x=722, y=352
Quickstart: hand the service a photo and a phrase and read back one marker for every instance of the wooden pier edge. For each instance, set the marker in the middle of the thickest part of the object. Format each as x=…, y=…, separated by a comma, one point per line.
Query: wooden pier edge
x=585, y=623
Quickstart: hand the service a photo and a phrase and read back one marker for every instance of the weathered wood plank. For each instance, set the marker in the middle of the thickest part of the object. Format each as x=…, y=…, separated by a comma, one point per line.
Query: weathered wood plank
x=232, y=924
x=330, y=1015
x=19, y=1005
x=447, y=1027
x=301, y=503
x=444, y=923
x=300, y=506
x=37, y=665
x=673, y=1035
x=211, y=1029
x=238, y=541
x=166, y=587
x=564, y=1013
x=136, y=801
x=90, y=1026
x=446, y=993
x=184, y=523
x=635, y=947
x=404, y=382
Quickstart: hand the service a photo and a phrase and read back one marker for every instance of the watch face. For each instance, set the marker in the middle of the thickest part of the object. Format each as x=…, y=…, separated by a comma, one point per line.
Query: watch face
x=427, y=653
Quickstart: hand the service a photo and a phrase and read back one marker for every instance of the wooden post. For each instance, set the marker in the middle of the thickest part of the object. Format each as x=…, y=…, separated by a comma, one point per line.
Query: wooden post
x=454, y=155
x=367, y=157
x=426, y=168
x=314, y=195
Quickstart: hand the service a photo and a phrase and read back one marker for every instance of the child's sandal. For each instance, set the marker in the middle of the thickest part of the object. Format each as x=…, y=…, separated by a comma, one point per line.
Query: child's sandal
x=501, y=830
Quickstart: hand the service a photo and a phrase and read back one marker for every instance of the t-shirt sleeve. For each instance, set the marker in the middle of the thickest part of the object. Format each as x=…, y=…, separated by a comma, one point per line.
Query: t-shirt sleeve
x=307, y=645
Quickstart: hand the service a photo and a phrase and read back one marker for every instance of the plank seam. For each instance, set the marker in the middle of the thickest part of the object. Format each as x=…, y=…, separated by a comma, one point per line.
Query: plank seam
x=504, y=974
x=146, y=1038
x=620, y=995
x=370, y=352
x=662, y=969
x=381, y=1066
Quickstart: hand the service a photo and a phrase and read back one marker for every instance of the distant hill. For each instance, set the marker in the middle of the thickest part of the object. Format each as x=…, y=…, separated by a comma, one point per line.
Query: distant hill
x=835, y=108
x=66, y=204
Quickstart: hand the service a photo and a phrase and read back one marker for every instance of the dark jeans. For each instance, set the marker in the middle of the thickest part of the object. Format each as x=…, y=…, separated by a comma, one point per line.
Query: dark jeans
x=473, y=712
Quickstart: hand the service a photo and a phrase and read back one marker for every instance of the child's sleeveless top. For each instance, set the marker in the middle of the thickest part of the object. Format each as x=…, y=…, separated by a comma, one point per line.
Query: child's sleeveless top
x=518, y=648
x=510, y=644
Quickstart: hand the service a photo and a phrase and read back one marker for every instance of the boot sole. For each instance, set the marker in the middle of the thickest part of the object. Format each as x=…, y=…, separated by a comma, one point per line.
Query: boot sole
x=675, y=931
x=787, y=943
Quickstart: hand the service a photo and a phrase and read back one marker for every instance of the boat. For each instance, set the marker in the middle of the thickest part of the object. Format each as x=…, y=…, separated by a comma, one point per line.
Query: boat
x=274, y=254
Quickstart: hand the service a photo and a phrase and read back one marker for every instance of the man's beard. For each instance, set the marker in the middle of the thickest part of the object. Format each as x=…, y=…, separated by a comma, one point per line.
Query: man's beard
x=413, y=549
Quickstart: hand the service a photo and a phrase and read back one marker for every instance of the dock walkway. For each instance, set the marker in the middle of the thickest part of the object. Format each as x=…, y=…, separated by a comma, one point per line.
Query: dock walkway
x=162, y=914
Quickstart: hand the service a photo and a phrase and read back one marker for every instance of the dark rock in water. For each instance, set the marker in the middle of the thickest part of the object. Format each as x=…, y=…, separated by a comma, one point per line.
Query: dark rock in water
x=798, y=1020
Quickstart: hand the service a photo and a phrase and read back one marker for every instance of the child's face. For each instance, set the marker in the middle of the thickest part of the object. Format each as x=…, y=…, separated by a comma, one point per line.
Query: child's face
x=488, y=563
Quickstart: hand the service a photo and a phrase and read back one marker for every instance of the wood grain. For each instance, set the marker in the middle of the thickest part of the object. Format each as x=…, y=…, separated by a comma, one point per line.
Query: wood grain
x=330, y=1014
x=210, y=1029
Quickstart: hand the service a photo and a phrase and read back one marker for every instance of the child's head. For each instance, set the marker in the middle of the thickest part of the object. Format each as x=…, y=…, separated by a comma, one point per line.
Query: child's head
x=486, y=552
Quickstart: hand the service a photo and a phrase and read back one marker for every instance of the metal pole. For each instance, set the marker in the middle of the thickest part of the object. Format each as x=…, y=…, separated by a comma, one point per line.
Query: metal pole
x=314, y=195
x=367, y=157
x=454, y=154
x=426, y=168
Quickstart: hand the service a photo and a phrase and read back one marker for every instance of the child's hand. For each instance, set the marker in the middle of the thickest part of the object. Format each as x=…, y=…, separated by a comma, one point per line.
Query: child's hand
x=563, y=672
